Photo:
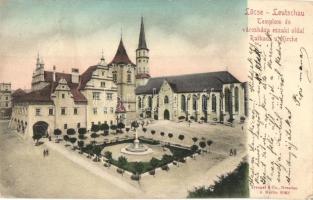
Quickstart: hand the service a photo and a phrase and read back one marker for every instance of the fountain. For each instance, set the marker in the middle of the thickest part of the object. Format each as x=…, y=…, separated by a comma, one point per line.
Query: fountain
x=136, y=148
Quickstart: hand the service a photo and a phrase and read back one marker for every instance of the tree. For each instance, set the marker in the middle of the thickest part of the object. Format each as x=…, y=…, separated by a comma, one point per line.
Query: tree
x=138, y=167
x=113, y=127
x=70, y=132
x=170, y=135
x=127, y=129
x=167, y=159
x=152, y=132
x=94, y=136
x=80, y=145
x=154, y=162
x=108, y=155
x=95, y=128
x=209, y=143
x=194, y=139
x=181, y=137
x=181, y=118
x=82, y=132
x=144, y=130
x=105, y=127
x=97, y=151
x=120, y=126
x=202, y=144
x=73, y=140
x=37, y=136
x=66, y=138
x=122, y=162
x=134, y=125
x=194, y=147
x=162, y=133
x=57, y=132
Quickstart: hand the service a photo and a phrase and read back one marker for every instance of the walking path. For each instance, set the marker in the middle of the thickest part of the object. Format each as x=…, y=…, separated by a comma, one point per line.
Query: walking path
x=94, y=168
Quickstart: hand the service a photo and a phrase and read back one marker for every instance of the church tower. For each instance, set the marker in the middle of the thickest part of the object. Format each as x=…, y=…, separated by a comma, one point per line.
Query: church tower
x=123, y=73
x=142, y=58
x=38, y=79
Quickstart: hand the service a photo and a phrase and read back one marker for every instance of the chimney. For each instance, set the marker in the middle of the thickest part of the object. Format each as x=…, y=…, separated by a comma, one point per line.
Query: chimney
x=53, y=76
x=75, y=75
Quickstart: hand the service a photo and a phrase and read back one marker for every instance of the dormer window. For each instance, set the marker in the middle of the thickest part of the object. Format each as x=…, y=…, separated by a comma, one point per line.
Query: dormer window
x=103, y=84
x=114, y=77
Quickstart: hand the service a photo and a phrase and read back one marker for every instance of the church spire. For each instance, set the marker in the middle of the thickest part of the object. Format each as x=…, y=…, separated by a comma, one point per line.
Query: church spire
x=142, y=38
x=121, y=56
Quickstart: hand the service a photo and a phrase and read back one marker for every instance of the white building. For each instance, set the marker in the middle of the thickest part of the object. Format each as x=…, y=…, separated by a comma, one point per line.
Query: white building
x=5, y=100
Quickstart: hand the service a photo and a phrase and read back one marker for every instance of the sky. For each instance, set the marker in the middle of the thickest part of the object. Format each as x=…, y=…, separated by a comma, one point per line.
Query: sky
x=183, y=36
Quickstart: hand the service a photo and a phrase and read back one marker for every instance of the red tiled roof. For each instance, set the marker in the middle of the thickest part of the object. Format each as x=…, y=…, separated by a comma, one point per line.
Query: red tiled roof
x=44, y=94
x=120, y=107
x=86, y=76
x=144, y=75
x=121, y=56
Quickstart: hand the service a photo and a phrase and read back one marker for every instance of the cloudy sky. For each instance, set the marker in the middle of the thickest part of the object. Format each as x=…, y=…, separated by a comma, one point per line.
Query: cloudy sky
x=183, y=36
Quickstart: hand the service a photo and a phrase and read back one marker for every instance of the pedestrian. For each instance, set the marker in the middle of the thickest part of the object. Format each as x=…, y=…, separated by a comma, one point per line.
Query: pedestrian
x=189, y=122
x=231, y=152
x=49, y=138
x=47, y=152
x=235, y=152
x=44, y=153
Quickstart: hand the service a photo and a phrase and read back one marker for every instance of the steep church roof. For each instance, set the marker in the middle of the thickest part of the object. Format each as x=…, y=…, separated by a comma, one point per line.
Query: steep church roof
x=190, y=82
x=142, y=38
x=121, y=56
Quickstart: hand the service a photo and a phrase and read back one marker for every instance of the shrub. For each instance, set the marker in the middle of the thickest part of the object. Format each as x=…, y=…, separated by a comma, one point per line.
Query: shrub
x=162, y=133
x=57, y=132
x=181, y=117
x=152, y=132
x=152, y=172
x=95, y=128
x=73, y=140
x=122, y=161
x=107, y=164
x=181, y=137
x=80, y=144
x=144, y=130
x=242, y=118
x=120, y=171
x=108, y=155
x=113, y=127
x=82, y=131
x=194, y=139
x=192, y=117
x=127, y=129
x=70, y=131
x=202, y=144
x=194, y=148
x=165, y=168
x=135, y=177
x=120, y=125
x=154, y=162
x=170, y=135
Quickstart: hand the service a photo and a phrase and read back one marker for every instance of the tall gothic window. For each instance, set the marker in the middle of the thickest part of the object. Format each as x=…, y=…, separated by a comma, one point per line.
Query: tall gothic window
x=129, y=79
x=227, y=99
x=204, y=103
x=194, y=102
x=213, y=103
x=166, y=100
x=114, y=77
x=236, y=99
x=139, y=102
x=150, y=102
x=183, y=102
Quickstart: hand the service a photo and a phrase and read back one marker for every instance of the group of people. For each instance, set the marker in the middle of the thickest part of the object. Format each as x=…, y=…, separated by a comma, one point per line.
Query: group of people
x=233, y=152
x=45, y=152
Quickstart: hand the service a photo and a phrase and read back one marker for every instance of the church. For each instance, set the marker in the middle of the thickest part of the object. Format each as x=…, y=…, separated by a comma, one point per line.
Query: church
x=123, y=91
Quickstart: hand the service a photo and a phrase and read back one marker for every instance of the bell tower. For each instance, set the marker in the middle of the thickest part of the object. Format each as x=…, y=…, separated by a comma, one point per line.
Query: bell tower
x=142, y=58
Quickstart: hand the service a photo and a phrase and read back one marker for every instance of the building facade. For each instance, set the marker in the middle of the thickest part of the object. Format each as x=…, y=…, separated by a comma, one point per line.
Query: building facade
x=214, y=96
x=5, y=100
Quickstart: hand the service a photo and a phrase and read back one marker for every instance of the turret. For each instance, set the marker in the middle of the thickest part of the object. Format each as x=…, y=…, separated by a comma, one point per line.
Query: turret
x=142, y=58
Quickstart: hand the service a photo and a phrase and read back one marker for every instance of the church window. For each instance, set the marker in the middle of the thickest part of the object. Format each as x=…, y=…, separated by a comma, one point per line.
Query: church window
x=194, y=102
x=150, y=102
x=227, y=99
x=112, y=110
x=236, y=99
x=166, y=100
x=78, y=125
x=129, y=77
x=63, y=96
x=114, y=77
x=183, y=102
x=65, y=126
x=139, y=102
x=105, y=110
x=213, y=103
x=204, y=103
